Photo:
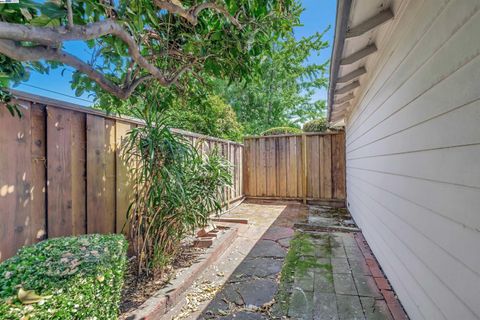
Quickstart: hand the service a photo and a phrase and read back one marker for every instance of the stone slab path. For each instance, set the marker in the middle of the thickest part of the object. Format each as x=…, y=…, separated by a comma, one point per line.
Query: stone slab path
x=338, y=282
x=334, y=275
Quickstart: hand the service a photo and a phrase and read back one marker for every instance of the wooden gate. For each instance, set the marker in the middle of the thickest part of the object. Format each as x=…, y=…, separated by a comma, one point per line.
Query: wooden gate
x=308, y=166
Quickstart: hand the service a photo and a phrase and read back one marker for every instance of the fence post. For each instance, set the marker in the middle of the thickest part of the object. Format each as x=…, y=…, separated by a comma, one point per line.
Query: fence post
x=304, y=165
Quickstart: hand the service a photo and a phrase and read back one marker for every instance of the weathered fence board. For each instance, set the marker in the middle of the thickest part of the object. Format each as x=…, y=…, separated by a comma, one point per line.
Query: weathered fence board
x=309, y=166
x=62, y=171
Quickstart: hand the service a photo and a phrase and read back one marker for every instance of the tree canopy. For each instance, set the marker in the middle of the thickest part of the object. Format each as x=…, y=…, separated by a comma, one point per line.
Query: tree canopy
x=135, y=42
x=281, y=93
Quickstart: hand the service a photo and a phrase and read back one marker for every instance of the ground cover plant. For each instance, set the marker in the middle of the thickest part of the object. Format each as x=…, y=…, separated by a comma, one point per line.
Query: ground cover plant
x=317, y=125
x=178, y=189
x=64, y=278
x=281, y=130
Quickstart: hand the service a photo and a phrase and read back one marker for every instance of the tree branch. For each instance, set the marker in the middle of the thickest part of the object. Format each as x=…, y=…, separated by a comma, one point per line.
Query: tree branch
x=21, y=53
x=69, y=13
x=51, y=36
x=191, y=15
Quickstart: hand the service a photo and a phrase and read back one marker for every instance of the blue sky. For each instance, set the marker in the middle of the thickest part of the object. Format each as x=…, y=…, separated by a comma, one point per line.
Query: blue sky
x=318, y=15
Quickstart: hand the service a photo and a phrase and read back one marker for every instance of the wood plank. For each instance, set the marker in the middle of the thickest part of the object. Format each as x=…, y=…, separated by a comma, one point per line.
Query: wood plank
x=271, y=166
x=21, y=231
x=96, y=176
x=246, y=166
x=15, y=179
x=338, y=166
x=282, y=168
x=241, y=163
x=8, y=141
x=253, y=176
x=370, y=24
x=79, y=183
x=300, y=167
x=342, y=100
x=291, y=167
x=59, y=172
x=110, y=170
x=314, y=169
x=321, y=169
x=125, y=186
x=352, y=75
x=356, y=56
x=38, y=190
x=327, y=167
x=260, y=167
x=304, y=175
x=347, y=88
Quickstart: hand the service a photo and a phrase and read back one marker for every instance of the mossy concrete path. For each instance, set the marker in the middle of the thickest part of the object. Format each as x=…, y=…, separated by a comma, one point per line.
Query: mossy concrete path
x=328, y=276
x=275, y=272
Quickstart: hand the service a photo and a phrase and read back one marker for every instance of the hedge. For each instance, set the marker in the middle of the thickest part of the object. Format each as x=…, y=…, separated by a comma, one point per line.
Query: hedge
x=317, y=125
x=281, y=130
x=75, y=277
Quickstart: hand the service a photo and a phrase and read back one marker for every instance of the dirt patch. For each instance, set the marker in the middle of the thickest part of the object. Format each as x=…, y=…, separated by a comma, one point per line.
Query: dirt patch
x=136, y=290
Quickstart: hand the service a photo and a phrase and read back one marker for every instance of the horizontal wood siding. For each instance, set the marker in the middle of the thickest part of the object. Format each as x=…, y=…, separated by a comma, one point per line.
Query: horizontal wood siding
x=62, y=172
x=275, y=166
x=413, y=151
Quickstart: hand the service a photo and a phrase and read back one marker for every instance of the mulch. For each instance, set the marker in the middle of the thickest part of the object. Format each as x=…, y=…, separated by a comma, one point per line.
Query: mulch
x=138, y=288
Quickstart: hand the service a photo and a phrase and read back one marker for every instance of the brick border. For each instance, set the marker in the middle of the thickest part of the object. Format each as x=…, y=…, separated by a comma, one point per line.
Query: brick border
x=393, y=304
x=165, y=299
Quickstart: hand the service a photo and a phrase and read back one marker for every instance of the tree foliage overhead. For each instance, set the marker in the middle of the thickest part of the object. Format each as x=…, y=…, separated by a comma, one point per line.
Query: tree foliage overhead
x=281, y=92
x=135, y=42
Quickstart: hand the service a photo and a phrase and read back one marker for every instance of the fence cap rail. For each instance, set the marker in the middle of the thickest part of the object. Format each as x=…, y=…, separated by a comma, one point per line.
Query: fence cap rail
x=295, y=135
x=21, y=95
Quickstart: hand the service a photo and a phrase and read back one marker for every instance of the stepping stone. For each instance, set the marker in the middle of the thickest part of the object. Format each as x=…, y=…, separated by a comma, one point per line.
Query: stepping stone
x=338, y=251
x=244, y=316
x=366, y=286
x=301, y=305
x=349, y=308
x=340, y=265
x=304, y=280
x=267, y=248
x=216, y=306
x=375, y=309
x=324, y=306
x=257, y=292
x=258, y=267
x=349, y=241
x=359, y=267
x=344, y=284
x=230, y=294
x=285, y=242
x=354, y=253
x=323, y=281
x=277, y=233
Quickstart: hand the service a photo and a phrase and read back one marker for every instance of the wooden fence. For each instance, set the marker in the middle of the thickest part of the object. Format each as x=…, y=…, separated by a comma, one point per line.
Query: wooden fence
x=62, y=173
x=308, y=166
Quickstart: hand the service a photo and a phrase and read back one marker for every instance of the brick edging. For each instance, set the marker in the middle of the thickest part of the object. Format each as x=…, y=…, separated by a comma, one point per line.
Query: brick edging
x=393, y=304
x=166, y=298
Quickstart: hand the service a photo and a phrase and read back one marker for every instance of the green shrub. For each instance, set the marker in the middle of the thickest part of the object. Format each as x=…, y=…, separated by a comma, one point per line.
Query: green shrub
x=177, y=190
x=317, y=125
x=281, y=130
x=76, y=277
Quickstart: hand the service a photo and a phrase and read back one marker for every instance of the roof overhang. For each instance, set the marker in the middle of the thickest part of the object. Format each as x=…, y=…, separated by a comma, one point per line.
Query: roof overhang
x=357, y=28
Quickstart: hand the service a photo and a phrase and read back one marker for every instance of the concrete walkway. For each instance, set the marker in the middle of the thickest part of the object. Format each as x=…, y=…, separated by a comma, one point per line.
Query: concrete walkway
x=337, y=276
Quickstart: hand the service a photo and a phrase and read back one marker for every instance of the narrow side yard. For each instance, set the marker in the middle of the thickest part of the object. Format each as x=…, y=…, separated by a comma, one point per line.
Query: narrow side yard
x=273, y=271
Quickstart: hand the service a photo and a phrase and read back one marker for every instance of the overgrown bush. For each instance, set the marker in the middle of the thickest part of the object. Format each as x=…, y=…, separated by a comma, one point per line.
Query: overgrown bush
x=281, y=130
x=177, y=190
x=64, y=278
x=317, y=125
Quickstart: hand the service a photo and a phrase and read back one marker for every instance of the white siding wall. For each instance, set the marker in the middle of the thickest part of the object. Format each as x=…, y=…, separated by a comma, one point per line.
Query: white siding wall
x=413, y=158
